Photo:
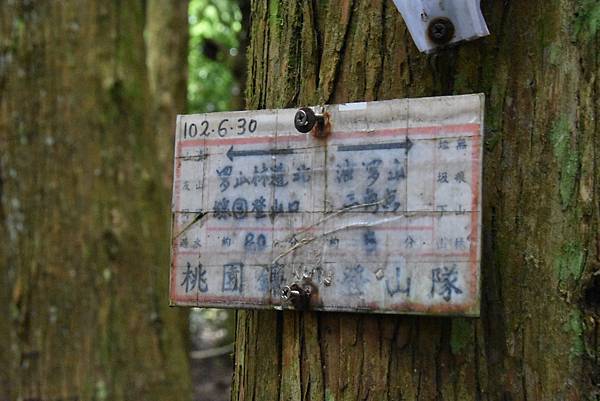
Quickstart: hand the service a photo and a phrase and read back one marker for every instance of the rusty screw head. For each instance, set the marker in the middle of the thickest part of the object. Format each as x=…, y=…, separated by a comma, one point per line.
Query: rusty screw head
x=305, y=120
x=296, y=295
x=441, y=30
x=289, y=294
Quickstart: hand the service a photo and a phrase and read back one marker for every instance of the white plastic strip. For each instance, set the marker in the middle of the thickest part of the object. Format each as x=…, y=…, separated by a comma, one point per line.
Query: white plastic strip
x=469, y=23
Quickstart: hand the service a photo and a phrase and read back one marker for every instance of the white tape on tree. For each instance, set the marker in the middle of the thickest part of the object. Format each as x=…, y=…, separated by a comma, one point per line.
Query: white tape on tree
x=465, y=16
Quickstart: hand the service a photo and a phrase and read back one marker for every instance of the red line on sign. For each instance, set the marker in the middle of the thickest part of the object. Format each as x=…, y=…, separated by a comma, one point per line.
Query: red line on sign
x=218, y=299
x=184, y=298
x=176, y=202
x=402, y=228
x=243, y=140
x=444, y=254
x=471, y=129
x=433, y=191
x=370, y=134
x=409, y=307
x=312, y=229
x=437, y=308
x=342, y=253
x=188, y=253
x=231, y=298
x=260, y=229
x=446, y=129
x=475, y=217
x=414, y=253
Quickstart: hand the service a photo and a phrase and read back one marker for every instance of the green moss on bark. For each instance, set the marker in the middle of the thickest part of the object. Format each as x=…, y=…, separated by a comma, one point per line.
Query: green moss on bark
x=567, y=157
x=462, y=335
x=586, y=19
x=569, y=262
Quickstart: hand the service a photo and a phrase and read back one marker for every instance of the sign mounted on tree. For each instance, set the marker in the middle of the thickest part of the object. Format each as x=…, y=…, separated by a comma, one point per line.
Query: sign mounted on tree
x=362, y=207
x=438, y=23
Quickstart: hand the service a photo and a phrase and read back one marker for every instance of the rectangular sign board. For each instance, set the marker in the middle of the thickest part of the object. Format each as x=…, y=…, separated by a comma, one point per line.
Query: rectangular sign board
x=382, y=215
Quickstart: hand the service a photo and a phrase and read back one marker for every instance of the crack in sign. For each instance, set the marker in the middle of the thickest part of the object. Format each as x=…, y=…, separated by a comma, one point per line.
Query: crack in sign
x=186, y=228
x=335, y=214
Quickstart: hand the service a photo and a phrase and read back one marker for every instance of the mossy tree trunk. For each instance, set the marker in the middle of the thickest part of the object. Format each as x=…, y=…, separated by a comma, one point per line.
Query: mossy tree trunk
x=537, y=338
x=167, y=52
x=167, y=34
x=84, y=207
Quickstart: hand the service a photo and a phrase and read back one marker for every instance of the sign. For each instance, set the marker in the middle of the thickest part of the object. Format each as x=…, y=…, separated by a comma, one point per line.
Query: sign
x=382, y=214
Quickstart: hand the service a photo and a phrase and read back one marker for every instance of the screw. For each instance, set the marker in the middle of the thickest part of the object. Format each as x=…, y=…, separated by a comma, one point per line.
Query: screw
x=288, y=294
x=305, y=120
x=441, y=30
x=296, y=295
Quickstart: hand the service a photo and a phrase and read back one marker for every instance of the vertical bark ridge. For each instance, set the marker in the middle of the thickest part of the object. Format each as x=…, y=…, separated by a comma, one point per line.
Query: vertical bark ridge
x=335, y=27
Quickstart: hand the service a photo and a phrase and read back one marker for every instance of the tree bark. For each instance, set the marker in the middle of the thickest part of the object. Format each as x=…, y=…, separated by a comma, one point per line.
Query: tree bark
x=84, y=211
x=167, y=52
x=537, y=338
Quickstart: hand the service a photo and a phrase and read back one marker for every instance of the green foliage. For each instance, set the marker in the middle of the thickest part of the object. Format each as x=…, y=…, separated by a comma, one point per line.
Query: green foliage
x=214, y=31
x=212, y=327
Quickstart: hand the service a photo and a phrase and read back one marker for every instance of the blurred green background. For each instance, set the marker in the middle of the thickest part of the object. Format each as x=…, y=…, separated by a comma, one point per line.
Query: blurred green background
x=215, y=39
x=216, y=62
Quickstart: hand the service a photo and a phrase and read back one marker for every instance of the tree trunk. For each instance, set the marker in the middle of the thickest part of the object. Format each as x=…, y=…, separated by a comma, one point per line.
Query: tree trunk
x=537, y=338
x=84, y=210
x=167, y=44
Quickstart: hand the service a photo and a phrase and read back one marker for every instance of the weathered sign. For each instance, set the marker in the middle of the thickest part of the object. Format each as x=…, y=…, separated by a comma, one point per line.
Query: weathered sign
x=380, y=214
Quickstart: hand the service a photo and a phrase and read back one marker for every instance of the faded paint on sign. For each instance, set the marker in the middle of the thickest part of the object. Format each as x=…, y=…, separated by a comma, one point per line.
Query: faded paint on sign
x=383, y=215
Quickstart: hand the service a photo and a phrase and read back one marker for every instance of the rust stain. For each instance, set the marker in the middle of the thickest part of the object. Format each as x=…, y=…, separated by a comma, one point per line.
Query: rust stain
x=322, y=128
x=306, y=295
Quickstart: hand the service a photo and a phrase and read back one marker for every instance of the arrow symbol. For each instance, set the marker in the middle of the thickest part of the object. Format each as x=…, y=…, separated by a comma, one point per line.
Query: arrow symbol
x=257, y=152
x=192, y=158
x=377, y=146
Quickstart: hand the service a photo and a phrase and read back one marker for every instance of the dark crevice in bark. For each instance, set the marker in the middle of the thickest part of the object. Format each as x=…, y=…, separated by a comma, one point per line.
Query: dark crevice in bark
x=387, y=357
x=320, y=345
x=477, y=368
x=318, y=40
x=523, y=371
x=279, y=347
x=437, y=362
x=302, y=356
x=340, y=55
x=533, y=88
x=417, y=367
x=264, y=60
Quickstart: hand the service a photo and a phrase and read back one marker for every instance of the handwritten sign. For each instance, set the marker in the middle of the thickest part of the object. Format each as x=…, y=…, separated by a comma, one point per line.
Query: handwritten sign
x=382, y=215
